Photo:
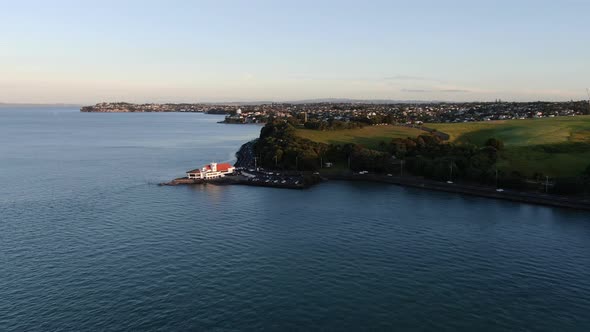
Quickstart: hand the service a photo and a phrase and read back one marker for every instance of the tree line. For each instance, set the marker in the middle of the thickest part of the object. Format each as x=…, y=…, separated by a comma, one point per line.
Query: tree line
x=427, y=155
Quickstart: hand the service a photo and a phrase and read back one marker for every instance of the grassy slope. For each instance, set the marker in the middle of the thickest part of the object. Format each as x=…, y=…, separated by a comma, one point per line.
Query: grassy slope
x=520, y=132
x=552, y=146
x=369, y=137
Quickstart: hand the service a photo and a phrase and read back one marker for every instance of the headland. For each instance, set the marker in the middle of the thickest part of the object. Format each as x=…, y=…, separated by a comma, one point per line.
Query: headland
x=526, y=152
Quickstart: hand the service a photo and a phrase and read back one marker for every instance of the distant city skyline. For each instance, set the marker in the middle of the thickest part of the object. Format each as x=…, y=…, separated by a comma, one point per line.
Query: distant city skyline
x=243, y=51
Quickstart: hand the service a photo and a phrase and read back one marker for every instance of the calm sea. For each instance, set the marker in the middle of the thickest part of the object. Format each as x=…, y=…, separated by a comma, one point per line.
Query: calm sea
x=88, y=241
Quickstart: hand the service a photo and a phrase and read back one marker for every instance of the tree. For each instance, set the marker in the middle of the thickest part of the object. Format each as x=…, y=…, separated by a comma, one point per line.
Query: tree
x=495, y=143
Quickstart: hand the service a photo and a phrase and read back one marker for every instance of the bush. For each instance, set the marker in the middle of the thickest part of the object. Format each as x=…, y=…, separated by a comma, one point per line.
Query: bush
x=495, y=143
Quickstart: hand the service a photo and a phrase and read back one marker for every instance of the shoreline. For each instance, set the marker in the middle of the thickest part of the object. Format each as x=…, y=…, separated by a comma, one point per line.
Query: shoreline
x=245, y=159
x=407, y=181
x=233, y=180
x=472, y=190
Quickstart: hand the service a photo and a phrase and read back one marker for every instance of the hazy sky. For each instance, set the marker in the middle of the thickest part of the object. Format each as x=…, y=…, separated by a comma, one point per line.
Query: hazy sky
x=174, y=51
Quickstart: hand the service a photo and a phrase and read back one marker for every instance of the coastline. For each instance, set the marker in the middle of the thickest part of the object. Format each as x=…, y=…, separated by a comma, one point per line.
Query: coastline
x=232, y=180
x=407, y=181
x=479, y=191
x=245, y=159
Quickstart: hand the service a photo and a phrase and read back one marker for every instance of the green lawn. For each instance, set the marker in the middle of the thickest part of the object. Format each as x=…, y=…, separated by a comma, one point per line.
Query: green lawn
x=368, y=137
x=520, y=132
x=529, y=160
x=551, y=146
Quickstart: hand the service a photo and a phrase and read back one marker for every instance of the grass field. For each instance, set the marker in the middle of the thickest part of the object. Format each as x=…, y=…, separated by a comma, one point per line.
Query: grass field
x=368, y=137
x=520, y=132
x=552, y=146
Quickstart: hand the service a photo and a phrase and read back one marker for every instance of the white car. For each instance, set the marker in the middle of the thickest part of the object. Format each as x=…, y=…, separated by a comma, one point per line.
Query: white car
x=500, y=190
x=450, y=182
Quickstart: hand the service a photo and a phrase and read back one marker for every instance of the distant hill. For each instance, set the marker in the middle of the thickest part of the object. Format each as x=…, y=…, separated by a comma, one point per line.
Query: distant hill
x=361, y=101
x=331, y=100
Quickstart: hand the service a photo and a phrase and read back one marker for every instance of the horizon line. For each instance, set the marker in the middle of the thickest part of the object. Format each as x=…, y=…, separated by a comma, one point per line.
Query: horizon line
x=300, y=101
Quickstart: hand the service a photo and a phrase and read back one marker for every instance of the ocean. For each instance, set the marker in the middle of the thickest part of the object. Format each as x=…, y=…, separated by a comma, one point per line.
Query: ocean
x=90, y=242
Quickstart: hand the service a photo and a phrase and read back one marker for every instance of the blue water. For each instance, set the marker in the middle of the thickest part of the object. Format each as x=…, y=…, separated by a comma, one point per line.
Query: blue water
x=88, y=241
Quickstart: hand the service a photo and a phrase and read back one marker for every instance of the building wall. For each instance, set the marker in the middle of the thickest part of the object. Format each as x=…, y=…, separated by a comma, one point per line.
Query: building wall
x=209, y=174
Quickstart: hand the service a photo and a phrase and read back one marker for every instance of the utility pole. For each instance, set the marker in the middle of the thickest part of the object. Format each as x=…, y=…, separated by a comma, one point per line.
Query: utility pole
x=451, y=173
x=321, y=162
x=546, y=184
x=276, y=162
x=588, y=92
x=401, y=173
x=496, y=178
x=256, y=163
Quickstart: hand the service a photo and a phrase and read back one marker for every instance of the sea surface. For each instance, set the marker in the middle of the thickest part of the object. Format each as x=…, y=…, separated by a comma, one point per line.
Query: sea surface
x=90, y=242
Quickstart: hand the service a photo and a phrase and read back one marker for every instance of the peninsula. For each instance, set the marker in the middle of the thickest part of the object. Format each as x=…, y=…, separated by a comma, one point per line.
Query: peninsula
x=543, y=161
x=122, y=107
x=497, y=149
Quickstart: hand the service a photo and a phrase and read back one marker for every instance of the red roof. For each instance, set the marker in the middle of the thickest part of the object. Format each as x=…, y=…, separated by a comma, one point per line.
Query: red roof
x=220, y=168
x=223, y=167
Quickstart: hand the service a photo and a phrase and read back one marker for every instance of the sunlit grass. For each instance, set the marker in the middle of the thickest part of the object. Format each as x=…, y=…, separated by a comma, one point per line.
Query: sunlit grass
x=551, y=146
x=369, y=137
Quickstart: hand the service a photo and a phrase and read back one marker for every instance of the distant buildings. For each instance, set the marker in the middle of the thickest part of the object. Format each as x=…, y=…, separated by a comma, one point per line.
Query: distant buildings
x=367, y=113
x=211, y=171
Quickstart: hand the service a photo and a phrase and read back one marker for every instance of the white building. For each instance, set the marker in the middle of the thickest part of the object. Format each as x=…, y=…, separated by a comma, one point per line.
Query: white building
x=211, y=171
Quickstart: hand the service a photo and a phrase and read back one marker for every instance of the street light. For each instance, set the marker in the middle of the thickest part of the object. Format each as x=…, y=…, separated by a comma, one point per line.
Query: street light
x=451, y=172
x=496, y=178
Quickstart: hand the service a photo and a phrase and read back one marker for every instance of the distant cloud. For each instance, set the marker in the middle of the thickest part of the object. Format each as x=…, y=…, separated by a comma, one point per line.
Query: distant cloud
x=407, y=78
x=455, y=91
x=416, y=90
x=435, y=90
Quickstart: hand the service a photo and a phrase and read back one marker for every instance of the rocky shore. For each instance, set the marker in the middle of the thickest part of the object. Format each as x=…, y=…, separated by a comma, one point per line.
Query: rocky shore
x=181, y=181
x=245, y=155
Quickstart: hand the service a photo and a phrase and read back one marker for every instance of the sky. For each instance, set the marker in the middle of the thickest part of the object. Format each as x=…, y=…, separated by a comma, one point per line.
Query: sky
x=213, y=51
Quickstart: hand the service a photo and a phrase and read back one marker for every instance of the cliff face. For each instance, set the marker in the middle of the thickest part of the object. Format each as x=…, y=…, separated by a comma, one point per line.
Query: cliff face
x=245, y=155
